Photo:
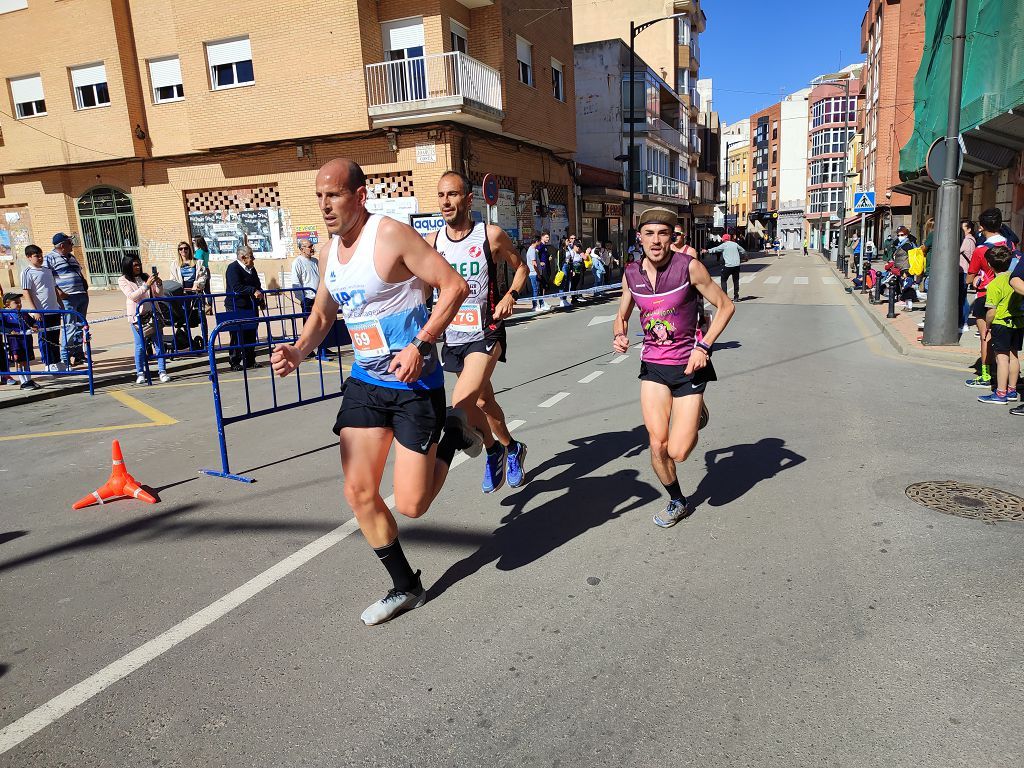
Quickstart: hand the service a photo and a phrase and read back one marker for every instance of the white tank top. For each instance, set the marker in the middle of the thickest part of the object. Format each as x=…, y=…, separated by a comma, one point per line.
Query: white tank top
x=382, y=318
x=471, y=258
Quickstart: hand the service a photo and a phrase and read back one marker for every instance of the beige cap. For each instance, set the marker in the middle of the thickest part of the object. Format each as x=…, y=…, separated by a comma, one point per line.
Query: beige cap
x=658, y=216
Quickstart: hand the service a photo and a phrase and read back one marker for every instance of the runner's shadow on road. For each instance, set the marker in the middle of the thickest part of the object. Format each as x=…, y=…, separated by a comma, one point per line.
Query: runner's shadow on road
x=547, y=513
x=733, y=472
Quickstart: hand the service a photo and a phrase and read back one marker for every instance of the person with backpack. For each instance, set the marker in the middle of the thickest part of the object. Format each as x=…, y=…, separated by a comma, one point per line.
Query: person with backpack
x=980, y=274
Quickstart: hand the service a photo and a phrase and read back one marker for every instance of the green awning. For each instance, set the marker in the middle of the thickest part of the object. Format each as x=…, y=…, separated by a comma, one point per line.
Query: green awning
x=993, y=72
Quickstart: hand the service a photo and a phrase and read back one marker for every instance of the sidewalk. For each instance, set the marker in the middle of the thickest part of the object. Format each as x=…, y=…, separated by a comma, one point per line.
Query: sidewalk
x=903, y=333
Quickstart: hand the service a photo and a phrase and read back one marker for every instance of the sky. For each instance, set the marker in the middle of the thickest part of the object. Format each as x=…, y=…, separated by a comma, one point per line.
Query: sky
x=795, y=41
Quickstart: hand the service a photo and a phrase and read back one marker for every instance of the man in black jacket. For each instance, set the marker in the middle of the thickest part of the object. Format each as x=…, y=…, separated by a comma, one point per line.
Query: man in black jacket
x=245, y=295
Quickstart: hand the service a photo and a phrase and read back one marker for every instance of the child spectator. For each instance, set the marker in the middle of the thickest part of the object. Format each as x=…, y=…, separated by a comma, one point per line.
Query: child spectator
x=17, y=332
x=1005, y=319
x=908, y=290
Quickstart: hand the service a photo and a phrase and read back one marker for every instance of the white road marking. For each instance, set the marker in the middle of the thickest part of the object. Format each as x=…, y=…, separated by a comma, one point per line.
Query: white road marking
x=39, y=718
x=600, y=319
x=619, y=359
x=744, y=279
x=590, y=377
x=800, y=281
x=829, y=280
x=773, y=280
x=554, y=400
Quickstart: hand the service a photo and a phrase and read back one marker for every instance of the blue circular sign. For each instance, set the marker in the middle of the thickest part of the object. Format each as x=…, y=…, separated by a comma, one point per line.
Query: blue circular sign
x=490, y=186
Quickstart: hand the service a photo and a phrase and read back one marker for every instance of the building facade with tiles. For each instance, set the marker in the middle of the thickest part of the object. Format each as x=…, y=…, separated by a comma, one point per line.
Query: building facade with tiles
x=141, y=123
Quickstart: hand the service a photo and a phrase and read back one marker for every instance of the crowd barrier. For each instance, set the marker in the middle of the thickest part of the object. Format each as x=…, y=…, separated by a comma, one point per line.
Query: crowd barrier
x=22, y=344
x=269, y=400
x=177, y=316
x=593, y=291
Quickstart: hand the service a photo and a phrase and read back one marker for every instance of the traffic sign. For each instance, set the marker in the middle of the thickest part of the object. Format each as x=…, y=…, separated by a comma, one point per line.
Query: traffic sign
x=935, y=163
x=864, y=202
x=490, y=185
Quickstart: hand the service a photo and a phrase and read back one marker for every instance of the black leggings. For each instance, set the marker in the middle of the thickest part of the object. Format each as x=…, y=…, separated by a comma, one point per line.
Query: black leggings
x=735, y=272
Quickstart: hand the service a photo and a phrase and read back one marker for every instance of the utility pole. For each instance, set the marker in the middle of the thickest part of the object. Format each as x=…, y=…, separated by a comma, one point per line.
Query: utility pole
x=630, y=236
x=941, y=317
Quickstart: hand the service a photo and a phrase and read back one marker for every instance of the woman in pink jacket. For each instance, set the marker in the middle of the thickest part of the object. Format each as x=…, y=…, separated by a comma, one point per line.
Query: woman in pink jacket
x=136, y=286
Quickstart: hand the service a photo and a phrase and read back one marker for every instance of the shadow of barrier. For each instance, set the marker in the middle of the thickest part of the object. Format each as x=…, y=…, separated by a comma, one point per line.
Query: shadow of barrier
x=21, y=334
x=281, y=394
x=182, y=327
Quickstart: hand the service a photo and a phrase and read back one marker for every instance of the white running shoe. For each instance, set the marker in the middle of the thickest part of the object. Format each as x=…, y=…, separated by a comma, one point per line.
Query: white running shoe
x=164, y=377
x=140, y=379
x=674, y=512
x=395, y=602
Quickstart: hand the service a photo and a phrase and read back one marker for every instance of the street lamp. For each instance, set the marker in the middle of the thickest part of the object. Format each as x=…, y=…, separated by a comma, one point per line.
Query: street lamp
x=634, y=30
x=835, y=78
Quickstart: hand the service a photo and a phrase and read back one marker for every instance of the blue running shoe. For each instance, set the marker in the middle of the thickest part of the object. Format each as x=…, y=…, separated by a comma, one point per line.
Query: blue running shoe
x=995, y=398
x=1012, y=395
x=515, y=468
x=494, y=470
x=979, y=382
x=675, y=511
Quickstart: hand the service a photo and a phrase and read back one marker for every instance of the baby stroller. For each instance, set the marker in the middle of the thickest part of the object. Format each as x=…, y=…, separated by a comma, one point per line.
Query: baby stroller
x=176, y=320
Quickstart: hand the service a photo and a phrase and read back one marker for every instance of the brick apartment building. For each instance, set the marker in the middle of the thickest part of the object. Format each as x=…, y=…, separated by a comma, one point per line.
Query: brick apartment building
x=134, y=124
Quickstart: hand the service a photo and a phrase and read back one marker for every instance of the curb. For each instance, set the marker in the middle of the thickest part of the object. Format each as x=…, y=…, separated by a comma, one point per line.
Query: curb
x=896, y=339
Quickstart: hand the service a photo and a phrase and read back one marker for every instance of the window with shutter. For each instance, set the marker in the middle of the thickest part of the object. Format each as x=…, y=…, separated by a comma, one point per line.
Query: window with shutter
x=165, y=77
x=524, y=56
x=27, y=94
x=230, y=63
x=90, y=85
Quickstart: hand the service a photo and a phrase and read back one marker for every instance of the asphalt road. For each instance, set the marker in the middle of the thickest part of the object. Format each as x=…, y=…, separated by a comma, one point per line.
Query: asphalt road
x=808, y=613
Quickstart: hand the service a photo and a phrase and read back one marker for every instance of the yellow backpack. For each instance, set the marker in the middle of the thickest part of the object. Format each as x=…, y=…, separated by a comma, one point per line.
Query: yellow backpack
x=917, y=261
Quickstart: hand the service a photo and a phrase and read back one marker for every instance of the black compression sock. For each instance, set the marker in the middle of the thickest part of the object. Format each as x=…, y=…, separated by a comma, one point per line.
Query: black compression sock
x=446, y=448
x=495, y=449
x=394, y=560
x=672, y=489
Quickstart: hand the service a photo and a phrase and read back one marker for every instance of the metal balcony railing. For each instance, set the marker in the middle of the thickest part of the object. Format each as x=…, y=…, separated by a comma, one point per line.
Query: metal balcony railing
x=439, y=76
x=655, y=184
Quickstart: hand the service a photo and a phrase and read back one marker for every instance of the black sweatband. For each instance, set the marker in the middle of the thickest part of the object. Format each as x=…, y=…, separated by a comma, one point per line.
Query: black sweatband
x=705, y=347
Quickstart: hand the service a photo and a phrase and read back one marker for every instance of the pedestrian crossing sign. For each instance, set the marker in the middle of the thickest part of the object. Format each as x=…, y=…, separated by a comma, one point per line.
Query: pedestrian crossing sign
x=864, y=202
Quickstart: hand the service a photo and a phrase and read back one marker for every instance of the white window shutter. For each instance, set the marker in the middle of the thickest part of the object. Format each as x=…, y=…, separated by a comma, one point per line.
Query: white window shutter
x=165, y=72
x=228, y=51
x=29, y=88
x=90, y=74
x=524, y=51
x=404, y=34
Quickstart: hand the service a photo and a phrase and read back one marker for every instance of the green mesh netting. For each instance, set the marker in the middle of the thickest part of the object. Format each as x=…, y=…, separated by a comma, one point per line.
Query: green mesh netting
x=993, y=71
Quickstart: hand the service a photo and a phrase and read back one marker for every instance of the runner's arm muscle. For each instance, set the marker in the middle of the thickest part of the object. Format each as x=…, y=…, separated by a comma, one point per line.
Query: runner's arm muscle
x=620, y=328
x=503, y=250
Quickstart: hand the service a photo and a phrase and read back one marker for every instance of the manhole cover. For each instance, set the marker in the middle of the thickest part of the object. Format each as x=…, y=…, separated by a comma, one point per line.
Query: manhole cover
x=973, y=501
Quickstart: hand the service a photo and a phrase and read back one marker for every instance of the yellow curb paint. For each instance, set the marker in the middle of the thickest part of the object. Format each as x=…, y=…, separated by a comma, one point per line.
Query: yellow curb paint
x=156, y=418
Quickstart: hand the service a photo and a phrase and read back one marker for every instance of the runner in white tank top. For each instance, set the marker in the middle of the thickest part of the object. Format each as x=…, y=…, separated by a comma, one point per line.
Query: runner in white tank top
x=475, y=340
x=376, y=273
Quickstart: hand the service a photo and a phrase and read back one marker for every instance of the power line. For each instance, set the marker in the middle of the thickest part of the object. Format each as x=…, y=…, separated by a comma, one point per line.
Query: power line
x=57, y=138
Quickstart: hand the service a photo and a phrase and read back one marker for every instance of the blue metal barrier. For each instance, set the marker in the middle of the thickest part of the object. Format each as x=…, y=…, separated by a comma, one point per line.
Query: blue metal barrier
x=18, y=327
x=253, y=410
x=177, y=315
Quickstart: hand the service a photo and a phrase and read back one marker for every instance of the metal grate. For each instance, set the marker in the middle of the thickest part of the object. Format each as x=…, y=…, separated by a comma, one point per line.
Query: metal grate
x=972, y=501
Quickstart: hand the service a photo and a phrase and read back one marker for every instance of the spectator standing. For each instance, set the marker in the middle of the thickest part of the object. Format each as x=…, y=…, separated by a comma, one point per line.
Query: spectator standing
x=41, y=292
x=245, y=294
x=136, y=285
x=189, y=271
x=68, y=274
x=531, y=264
x=733, y=254
x=597, y=264
x=306, y=272
x=202, y=251
x=1005, y=319
x=544, y=263
x=967, y=246
x=17, y=331
x=904, y=243
x=980, y=274
x=576, y=269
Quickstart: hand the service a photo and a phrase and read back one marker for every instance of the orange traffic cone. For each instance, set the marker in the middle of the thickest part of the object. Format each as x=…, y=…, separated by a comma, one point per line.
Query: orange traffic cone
x=119, y=485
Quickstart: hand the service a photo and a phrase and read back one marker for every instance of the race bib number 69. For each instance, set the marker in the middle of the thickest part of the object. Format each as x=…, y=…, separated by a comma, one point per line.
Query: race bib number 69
x=368, y=339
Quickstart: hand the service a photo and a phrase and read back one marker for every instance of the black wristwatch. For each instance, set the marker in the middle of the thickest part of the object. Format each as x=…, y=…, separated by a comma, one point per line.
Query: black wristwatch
x=422, y=346
x=705, y=347
x=514, y=294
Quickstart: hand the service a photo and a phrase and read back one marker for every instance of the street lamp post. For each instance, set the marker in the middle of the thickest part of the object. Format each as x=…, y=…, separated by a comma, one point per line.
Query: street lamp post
x=634, y=30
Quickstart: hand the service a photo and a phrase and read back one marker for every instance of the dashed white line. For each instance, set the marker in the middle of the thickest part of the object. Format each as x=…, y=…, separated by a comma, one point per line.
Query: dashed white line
x=800, y=281
x=773, y=280
x=619, y=359
x=590, y=377
x=744, y=279
x=554, y=400
x=39, y=718
x=829, y=280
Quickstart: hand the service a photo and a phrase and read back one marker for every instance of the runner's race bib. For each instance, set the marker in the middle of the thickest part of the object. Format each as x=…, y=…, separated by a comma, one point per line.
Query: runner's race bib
x=468, y=319
x=368, y=340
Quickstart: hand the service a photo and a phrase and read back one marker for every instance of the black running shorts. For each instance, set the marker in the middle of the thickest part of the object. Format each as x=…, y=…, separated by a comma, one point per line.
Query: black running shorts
x=1006, y=339
x=675, y=378
x=453, y=358
x=978, y=309
x=416, y=416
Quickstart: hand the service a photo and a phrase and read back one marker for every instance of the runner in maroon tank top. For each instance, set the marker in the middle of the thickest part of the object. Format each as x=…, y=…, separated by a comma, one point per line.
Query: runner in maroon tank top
x=668, y=287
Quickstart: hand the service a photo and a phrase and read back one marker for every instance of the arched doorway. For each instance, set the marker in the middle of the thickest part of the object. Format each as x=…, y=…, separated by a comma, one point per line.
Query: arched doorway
x=107, y=220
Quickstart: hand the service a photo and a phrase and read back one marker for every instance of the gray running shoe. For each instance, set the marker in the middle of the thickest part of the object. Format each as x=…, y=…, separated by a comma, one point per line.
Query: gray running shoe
x=395, y=602
x=674, y=512
x=468, y=438
x=705, y=417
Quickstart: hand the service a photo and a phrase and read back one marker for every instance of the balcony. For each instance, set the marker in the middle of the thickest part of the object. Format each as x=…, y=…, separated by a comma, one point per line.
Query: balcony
x=694, y=100
x=452, y=86
x=662, y=131
x=663, y=186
